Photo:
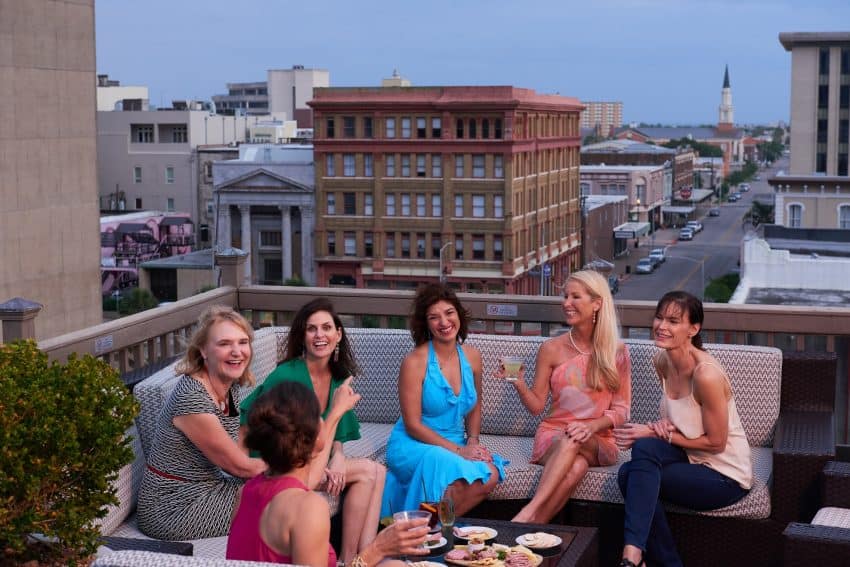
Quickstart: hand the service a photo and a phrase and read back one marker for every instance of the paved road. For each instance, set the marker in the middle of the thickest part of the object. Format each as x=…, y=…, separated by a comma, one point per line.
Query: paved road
x=711, y=254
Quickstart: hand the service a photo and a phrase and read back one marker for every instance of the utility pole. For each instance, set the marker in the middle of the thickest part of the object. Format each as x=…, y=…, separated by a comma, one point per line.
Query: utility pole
x=442, y=272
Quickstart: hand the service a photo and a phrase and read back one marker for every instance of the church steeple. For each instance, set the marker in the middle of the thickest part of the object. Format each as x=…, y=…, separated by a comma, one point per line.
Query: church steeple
x=726, y=113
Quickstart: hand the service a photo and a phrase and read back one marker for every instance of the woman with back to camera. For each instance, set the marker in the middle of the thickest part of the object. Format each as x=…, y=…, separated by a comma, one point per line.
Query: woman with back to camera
x=587, y=371
x=318, y=355
x=434, y=448
x=279, y=519
x=697, y=454
x=185, y=493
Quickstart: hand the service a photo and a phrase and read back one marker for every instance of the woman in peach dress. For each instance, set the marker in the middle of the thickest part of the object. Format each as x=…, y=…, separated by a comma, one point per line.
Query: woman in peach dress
x=587, y=371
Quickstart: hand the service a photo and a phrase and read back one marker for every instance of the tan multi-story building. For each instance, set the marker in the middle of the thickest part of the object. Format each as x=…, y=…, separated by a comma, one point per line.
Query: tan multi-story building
x=478, y=185
x=49, y=237
x=816, y=191
x=603, y=116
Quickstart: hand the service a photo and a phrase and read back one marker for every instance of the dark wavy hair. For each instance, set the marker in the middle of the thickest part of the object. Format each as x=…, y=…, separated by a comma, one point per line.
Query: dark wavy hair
x=283, y=426
x=426, y=296
x=342, y=368
x=688, y=305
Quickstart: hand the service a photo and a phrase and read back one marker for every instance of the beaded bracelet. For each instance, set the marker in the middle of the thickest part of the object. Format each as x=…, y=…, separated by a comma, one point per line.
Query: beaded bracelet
x=357, y=561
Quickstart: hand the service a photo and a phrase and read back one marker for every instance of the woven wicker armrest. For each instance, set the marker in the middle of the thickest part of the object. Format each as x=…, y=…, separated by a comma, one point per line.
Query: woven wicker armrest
x=808, y=381
x=803, y=443
x=804, y=545
x=835, y=490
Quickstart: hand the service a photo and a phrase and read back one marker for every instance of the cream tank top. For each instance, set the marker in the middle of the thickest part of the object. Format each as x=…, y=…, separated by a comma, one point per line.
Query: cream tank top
x=685, y=413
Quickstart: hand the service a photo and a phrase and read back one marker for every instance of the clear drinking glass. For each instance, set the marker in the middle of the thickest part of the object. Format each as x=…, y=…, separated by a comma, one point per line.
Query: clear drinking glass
x=447, y=518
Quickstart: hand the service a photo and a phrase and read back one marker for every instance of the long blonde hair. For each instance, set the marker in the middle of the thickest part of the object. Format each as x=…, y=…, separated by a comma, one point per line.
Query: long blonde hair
x=602, y=368
x=193, y=361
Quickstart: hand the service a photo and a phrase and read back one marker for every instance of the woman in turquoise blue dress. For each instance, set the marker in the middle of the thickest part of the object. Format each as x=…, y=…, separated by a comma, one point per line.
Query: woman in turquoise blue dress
x=434, y=449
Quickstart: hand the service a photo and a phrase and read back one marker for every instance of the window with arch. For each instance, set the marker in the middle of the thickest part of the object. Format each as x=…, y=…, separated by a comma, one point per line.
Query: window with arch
x=795, y=216
x=844, y=216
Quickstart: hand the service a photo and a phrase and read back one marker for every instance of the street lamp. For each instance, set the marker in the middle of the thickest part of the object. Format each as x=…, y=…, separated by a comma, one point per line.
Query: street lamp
x=701, y=263
x=442, y=273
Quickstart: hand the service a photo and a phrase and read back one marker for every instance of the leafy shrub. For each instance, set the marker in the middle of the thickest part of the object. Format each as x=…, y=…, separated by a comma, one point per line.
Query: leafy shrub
x=720, y=290
x=137, y=300
x=61, y=445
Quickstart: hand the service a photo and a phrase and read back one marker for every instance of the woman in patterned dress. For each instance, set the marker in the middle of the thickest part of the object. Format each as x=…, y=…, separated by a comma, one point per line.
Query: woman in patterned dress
x=319, y=355
x=587, y=371
x=196, y=468
x=434, y=448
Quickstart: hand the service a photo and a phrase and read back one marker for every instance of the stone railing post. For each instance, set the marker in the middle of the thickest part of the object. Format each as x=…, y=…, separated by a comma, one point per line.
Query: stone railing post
x=18, y=317
x=232, y=262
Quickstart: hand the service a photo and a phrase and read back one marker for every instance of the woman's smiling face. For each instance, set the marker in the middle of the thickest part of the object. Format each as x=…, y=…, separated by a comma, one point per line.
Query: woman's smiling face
x=671, y=327
x=321, y=335
x=443, y=320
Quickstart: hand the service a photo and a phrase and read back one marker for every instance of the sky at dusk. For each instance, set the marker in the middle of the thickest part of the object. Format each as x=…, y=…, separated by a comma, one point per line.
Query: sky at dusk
x=663, y=59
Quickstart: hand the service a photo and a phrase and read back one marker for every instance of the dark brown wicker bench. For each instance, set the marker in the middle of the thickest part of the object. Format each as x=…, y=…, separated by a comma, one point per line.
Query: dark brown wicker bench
x=823, y=546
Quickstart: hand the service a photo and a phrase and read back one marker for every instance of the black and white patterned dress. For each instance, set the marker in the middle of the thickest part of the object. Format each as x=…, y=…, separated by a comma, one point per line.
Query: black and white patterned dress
x=184, y=495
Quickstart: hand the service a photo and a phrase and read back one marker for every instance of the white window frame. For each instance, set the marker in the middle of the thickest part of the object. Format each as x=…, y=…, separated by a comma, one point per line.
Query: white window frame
x=478, y=169
x=349, y=168
x=169, y=175
x=459, y=206
x=436, y=165
x=479, y=206
x=390, y=165
x=137, y=174
x=436, y=205
x=330, y=202
x=459, y=166
x=420, y=204
x=405, y=204
x=499, y=167
x=405, y=165
x=498, y=206
x=368, y=165
x=390, y=204
x=330, y=166
x=405, y=127
x=791, y=207
x=390, y=128
x=349, y=244
x=368, y=205
x=843, y=207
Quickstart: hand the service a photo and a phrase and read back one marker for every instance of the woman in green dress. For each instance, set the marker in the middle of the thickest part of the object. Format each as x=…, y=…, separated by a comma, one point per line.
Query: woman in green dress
x=318, y=355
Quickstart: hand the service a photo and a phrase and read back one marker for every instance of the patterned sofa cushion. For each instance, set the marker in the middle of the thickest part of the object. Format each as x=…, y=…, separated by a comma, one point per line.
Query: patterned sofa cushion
x=152, y=559
x=127, y=487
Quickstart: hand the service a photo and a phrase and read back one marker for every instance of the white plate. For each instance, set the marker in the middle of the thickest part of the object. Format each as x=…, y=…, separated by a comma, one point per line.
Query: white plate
x=425, y=564
x=528, y=541
x=443, y=541
x=467, y=531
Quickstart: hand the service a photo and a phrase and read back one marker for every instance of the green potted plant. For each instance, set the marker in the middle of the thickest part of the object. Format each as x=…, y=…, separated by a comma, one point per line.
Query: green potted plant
x=62, y=443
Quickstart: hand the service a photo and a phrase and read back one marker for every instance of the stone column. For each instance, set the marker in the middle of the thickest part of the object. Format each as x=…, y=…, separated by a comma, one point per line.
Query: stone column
x=286, y=242
x=307, y=245
x=223, y=230
x=245, y=212
x=18, y=317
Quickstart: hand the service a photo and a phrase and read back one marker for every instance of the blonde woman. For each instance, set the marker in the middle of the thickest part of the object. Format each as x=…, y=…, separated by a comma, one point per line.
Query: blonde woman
x=185, y=493
x=587, y=373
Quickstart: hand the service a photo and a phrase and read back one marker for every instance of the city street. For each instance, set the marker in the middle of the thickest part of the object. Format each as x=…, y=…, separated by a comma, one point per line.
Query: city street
x=712, y=253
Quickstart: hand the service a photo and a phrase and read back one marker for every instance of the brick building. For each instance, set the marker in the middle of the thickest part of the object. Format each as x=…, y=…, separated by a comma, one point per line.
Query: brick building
x=481, y=181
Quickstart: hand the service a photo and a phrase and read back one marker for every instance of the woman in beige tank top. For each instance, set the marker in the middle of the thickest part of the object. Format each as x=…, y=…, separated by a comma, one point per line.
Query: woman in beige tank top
x=697, y=454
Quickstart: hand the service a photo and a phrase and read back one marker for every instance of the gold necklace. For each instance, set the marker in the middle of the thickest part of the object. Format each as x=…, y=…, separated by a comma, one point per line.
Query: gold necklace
x=573, y=342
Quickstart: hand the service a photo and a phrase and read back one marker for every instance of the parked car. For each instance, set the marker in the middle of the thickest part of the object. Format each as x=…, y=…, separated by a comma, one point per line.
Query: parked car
x=757, y=177
x=744, y=187
x=734, y=197
x=714, y=212
x=694, y=225
x=737, y=196
x=644, y=266
x=686, y=234
x=613, y=284
x=657, y=255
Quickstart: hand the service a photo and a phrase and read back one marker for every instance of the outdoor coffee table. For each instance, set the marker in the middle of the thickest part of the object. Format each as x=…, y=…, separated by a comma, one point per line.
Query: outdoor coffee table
x=578, y=548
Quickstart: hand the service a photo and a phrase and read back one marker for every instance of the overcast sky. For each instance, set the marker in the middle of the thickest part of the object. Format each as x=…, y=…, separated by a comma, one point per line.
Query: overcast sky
x=663, y=59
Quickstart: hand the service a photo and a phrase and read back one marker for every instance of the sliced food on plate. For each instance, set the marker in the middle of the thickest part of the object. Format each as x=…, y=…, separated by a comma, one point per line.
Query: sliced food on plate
x=495, y=555
x=475, y=532
x=538, y=540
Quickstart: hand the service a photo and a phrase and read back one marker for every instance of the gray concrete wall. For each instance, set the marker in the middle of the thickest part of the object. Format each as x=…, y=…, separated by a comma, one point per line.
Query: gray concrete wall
x=49, y=227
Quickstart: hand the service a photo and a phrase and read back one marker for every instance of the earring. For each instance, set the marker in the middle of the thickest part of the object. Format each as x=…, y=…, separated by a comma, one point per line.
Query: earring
x=594, y=317
x=336, y=353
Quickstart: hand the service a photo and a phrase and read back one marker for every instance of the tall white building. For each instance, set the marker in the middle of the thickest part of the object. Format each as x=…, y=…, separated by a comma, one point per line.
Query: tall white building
x=726, y=113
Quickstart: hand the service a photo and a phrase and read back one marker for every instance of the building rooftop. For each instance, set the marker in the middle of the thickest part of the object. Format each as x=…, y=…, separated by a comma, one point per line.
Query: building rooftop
x=595, y=201
x=626, y=147
x=779, y=296
x=198, y=260
x=618, y=168
x=790, y=40
x=441, y=96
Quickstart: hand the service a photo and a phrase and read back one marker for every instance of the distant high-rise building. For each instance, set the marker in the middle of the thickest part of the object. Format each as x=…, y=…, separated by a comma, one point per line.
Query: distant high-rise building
x=49, y=237
x=395, y=81
x=602, y=116
x=474, y=185
x=112, y=96
x=285, y=94
x=726, y=113
x=816, y=191
x=820, y=101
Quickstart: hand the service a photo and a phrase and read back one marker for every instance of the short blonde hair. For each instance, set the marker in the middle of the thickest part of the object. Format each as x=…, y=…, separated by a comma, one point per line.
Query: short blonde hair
x=193, y=361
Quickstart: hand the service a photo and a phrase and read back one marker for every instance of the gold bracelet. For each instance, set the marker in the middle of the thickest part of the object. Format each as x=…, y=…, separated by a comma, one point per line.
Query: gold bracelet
x=357, y=561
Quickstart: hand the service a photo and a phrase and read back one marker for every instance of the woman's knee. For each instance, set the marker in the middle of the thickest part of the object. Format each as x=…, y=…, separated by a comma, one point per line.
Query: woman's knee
x=647, y=448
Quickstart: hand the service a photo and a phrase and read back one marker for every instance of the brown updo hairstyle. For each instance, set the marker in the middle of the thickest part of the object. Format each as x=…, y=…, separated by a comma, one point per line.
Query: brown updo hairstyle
x=283, y=425
x=426, y=296
x=689, y=306
x=193, y=361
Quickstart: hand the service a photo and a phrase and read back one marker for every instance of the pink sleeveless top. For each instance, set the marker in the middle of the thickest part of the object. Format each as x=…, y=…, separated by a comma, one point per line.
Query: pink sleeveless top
x=244, y=541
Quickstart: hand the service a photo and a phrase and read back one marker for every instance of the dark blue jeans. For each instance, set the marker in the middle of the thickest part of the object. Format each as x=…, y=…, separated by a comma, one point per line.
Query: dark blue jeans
x=661, y=471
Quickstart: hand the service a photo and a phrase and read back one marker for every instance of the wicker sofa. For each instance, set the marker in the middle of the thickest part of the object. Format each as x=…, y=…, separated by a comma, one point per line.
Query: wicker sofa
x=789, y=447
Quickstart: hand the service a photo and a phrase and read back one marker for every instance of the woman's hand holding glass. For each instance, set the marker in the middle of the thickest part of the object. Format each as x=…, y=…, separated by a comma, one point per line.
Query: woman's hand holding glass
x=514, y=374
x=626, y=435
x=402, y=537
